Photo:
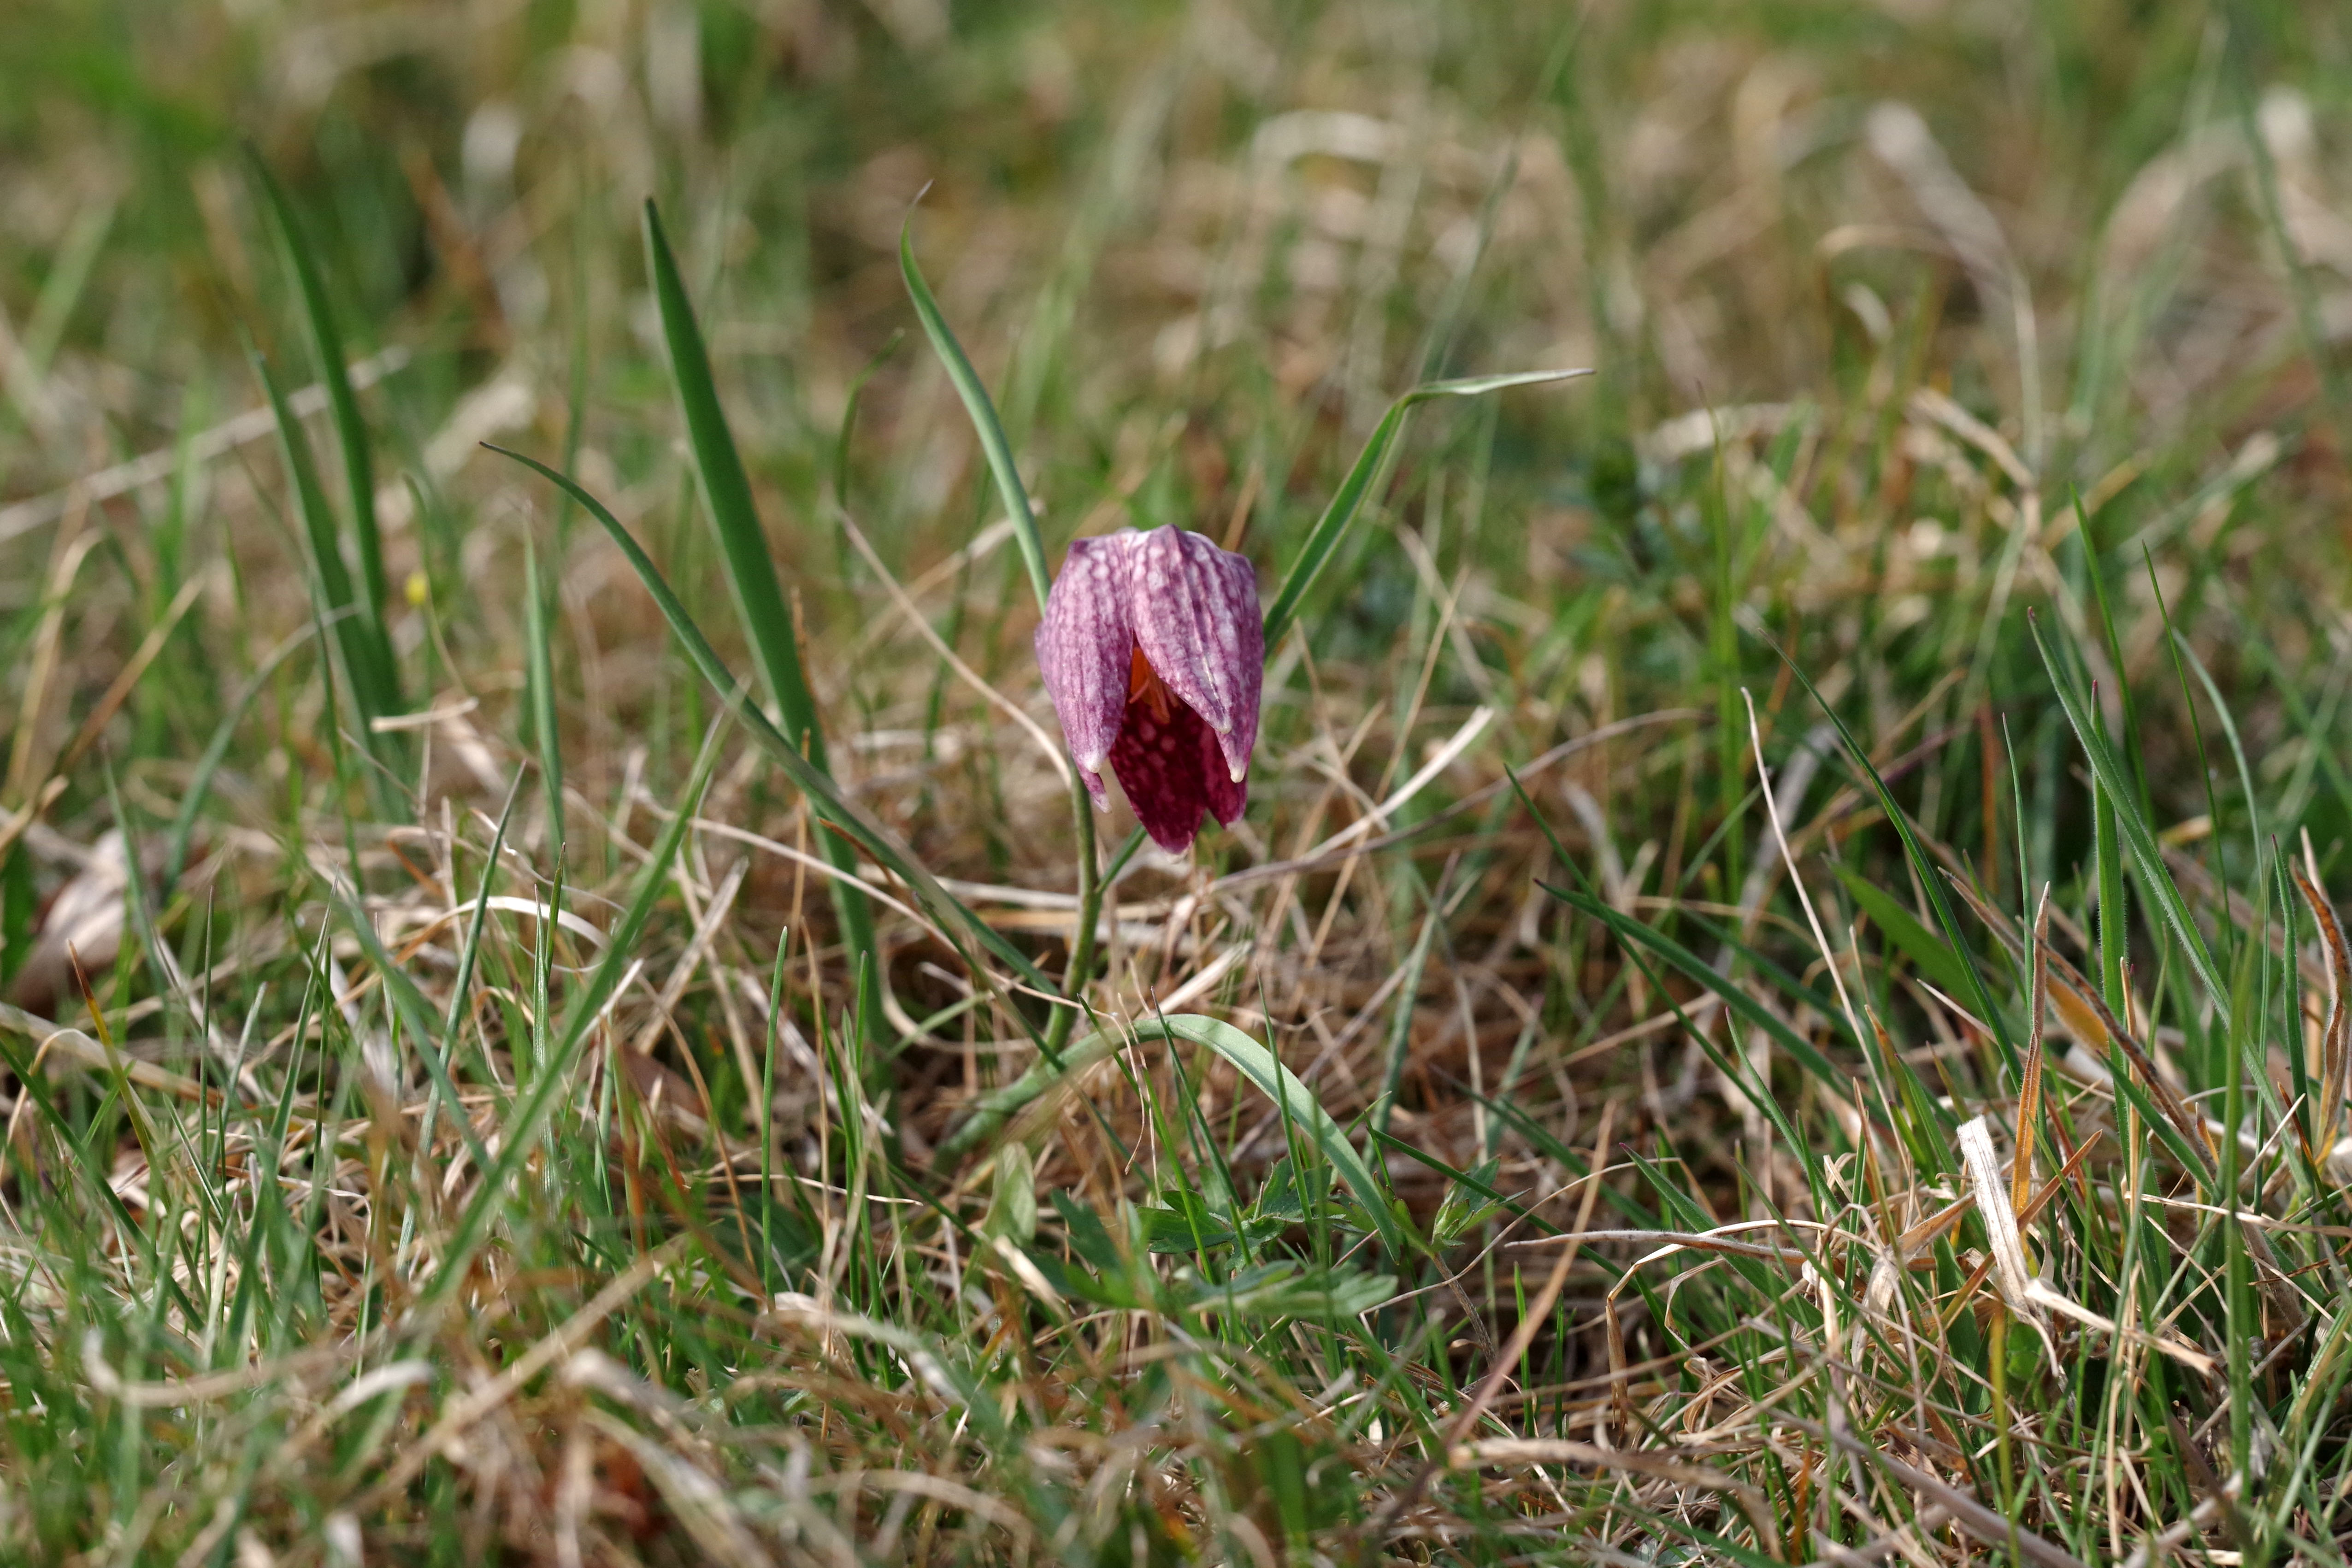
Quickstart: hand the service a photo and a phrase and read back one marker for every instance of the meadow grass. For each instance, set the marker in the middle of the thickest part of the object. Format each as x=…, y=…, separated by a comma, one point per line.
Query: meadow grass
x=1778, y=998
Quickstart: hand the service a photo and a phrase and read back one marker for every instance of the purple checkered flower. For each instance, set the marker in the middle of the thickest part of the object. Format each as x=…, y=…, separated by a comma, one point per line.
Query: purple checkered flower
x=1154, y=654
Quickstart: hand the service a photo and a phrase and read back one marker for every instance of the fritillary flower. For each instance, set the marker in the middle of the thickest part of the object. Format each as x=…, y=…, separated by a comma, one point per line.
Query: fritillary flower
x=1154, y=654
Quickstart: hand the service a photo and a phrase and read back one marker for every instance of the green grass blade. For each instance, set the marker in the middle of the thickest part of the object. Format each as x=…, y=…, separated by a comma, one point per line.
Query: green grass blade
x=1922, y=865
x=1628, y=930
x=367, y=655
x=1348, y=498
x=351, y=429
x=727, y=492
x=1905, y=930
x=2156, y=882
x=413, y=1013
x=877, y=840
x=1401, y=1021
x=539, y=673
x=990, y=1114
x=750, y=571
x=984, y=422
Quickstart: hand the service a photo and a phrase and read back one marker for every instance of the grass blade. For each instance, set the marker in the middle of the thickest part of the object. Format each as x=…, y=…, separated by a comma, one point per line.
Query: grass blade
x=540, y=674
x=751, y=573
x=1922, y=865
x=351, y=429
x=208, y=763
x=1348, y=498
x=1922, y=947
x=1279, y=1084
x=984, y=422
x=367, y=655
x=2155, y=881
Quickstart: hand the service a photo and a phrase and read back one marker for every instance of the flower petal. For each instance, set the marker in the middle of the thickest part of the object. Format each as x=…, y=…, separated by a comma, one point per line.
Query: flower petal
x=1227, y=796
x=1083, y=646
x=1195, y=612
x=1167, y=770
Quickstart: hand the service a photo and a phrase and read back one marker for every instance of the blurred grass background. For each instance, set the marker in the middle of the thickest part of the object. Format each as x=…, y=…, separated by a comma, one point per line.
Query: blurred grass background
x=1910, y=321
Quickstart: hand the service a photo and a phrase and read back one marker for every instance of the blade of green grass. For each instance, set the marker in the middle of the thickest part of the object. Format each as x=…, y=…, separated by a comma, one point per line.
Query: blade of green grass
x=216, y=751
x=2146, y=854
x=351, y=429
x=1698, y=969
x=988, y=1114
x=528, y=1122
x=367, y=654
x=1298, y=1104
x=1904, y=929
x=414, y=1013
x=1922, y=865
x=539, y=673
x=982, y=409
x=751, y=574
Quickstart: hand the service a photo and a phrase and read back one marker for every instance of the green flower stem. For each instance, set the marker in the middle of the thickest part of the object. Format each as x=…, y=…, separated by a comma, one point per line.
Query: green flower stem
x=1082, y=943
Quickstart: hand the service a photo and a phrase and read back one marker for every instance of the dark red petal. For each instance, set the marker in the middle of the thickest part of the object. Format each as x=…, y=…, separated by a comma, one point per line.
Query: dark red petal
x=1083, y=646
x=1166, y=770
x=1195, y=609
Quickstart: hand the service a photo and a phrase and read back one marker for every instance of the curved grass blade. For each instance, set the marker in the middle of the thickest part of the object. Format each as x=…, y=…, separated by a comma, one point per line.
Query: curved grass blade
x=751, y=571
x=984, y=422
x=351, y=430
x=1298, y=1102
x=823, y=794
x=367, y=655
x=1348, y=498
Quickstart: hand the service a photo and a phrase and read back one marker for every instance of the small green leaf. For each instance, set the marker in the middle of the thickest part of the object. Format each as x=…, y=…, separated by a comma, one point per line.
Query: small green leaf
x=1087, y=1237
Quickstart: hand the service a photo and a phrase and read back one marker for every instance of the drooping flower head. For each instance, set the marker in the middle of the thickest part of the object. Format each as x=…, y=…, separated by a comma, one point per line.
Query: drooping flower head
x=1154, y=655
